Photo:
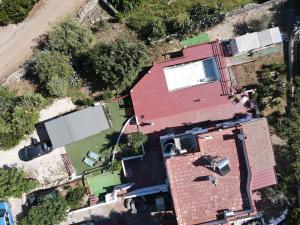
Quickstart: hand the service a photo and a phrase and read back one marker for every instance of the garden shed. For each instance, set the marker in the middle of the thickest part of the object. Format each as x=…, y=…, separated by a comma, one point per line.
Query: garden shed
x=76, y=126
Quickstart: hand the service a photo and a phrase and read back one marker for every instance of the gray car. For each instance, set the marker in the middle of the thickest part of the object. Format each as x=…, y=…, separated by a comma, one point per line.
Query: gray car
x=33, y=151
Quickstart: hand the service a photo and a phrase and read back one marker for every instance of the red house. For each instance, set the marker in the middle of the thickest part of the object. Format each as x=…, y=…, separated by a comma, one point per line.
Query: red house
x=185, y=90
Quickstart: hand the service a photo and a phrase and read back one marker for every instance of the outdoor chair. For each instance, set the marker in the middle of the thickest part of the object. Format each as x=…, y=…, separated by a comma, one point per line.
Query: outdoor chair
x=89, y=162
x=93, y=155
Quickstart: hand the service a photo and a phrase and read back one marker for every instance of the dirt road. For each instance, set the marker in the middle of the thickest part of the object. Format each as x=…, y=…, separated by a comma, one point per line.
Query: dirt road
x=17, y=41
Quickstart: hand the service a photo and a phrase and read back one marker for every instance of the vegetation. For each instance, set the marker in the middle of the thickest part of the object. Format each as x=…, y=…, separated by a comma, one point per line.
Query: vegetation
x=74, y=196
x=69, y=37
x=135, y=140
x=48, y=212
x=156, y=19
x=54, y=73
x=14, y=11
x=254, y=25
x=18, y=115
x=293, y=216
x=272, y=85
x=14, y=183
x=116, y=65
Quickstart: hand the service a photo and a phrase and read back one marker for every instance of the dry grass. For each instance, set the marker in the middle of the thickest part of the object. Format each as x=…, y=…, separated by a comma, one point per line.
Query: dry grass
x=246, y=74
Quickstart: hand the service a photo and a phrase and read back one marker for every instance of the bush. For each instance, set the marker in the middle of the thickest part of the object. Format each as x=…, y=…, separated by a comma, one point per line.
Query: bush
x=116, y=166
x=74, y=196
x=48, y=212
x=254, y=25
x=153, y=31
x=14, y=183
x=293, y=216
x=54, y=72
x=14, y=11
x=135, y=140
x=204, y=16
x=18, y=116
x=70, y=37
x=116, y=65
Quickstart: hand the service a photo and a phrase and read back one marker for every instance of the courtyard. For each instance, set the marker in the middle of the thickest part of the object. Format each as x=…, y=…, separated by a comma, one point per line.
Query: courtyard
x=101, y=143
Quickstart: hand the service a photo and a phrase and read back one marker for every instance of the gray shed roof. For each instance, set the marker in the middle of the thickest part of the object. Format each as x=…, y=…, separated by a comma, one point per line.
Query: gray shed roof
x=75, y=126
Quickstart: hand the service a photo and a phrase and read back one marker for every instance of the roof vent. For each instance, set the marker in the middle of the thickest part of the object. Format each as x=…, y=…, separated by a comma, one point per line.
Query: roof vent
x=213, y=180
x=222, y=165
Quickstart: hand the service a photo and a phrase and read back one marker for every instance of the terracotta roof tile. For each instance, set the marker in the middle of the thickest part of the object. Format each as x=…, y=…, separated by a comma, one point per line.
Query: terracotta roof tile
x=196, y=200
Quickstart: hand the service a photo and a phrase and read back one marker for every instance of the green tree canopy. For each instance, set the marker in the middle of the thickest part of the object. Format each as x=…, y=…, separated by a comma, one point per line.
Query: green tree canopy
x=116, y=65
x=153, y=30
x=135, y=140
x=74, y=196
x=14, y=183
x=205, y=16
x=293, y=216
x=70, y=37
x=48, y=212
x=18, y=115
x=54, y=72
x=14, y=11
x=272, y=84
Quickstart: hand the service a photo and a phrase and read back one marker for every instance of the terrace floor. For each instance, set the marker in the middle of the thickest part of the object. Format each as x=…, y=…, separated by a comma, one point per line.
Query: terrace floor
x=101, y=143
x=102, y=183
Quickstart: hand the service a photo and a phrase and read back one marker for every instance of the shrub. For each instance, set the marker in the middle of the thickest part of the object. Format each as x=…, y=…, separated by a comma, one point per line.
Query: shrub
x=135, y=140
x=116, y=166
x=14, y=11
x=293, y=216
x=70, y=37
x=74, y=196
x=18, y=116
x=204, y=16
x=153, y=31
x=116, y=65
x=54, y=72
x=49, y=212
x=14, y=183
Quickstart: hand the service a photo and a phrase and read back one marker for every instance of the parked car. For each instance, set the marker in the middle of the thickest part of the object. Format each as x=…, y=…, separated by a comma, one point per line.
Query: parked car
x=6, y=217
x=34, y=150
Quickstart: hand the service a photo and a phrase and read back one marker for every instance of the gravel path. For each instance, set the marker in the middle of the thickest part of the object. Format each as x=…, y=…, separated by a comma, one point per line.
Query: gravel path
x=17, y=41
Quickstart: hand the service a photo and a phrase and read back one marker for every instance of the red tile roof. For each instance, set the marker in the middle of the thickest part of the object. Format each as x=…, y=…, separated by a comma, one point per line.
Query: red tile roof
x=197, y=201
x=153, y=102
x=260, y=152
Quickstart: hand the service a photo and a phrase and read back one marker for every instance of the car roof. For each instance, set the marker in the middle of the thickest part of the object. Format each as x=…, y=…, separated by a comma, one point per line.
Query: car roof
x=35, y=150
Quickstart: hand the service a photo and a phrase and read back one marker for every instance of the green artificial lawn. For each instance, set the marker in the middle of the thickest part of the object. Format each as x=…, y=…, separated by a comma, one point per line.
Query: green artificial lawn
x=103, y=183
x=101, y=143
x=199, y=39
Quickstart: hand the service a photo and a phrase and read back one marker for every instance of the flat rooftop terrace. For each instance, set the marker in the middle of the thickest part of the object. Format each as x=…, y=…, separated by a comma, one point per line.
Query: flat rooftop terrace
x=196, y=199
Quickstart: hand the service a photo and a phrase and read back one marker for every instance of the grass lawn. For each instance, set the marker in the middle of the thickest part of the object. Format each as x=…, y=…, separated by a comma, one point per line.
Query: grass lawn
x=103, y=183
x=199, y=39
x=101, y=143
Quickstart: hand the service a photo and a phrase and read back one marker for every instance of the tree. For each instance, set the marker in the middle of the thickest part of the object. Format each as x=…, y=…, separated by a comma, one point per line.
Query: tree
x=204, y=16
x=14, y=183
x=74, y=196
x=153, y=30
x=272, y=84
x=18, y=116
x=293, y=216
x=54, y=72
x=116, y=65
x=49, y=212
x=135, y=140
x=14, y=11
x=70, y=37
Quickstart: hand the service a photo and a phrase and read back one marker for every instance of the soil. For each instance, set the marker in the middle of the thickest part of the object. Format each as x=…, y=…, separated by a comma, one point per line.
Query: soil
x=17, y=41
x=246, y=74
